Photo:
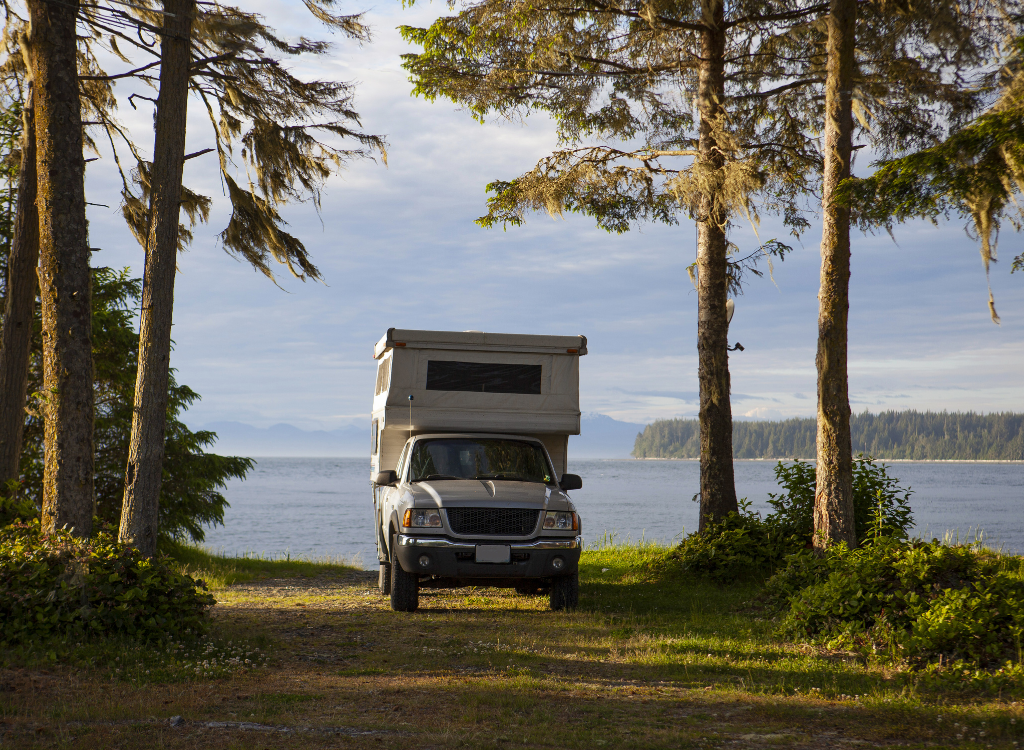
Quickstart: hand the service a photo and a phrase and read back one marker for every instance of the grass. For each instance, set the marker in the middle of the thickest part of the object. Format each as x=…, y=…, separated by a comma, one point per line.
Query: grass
x=652, y=659
x=218, y=571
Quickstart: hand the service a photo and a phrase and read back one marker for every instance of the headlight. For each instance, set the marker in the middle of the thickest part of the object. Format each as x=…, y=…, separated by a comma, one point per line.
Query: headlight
x=423, y=517
x=554, y=519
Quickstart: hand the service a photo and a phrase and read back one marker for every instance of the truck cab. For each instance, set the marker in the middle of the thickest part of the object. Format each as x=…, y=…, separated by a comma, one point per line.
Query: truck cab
x=468, y=463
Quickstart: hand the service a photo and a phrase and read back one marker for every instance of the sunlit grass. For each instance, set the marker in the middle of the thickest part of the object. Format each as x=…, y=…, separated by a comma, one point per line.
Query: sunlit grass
x=221, y=571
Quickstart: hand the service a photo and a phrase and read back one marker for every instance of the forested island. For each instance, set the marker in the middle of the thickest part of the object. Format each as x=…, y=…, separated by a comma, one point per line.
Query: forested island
x=889, y=435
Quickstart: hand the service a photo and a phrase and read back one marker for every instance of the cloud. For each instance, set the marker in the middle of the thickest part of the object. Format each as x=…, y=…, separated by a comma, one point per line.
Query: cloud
x=398, y=247
x=763, y=413
x=693, y=396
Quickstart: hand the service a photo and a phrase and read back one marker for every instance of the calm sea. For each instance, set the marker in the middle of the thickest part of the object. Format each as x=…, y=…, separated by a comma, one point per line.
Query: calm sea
x=321, y=507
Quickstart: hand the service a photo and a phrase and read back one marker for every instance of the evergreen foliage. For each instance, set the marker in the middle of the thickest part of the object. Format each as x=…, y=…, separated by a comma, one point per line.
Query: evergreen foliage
x=190, y=496
x=976, y=173
x=910, y=435
x=621, y=83
x=288, y=132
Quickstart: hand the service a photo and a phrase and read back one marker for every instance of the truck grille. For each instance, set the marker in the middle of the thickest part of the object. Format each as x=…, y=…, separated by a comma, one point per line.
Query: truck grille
x=497, y=521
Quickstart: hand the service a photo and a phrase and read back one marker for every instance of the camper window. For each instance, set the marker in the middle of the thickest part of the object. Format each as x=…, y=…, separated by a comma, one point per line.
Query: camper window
x=374, y=437
x=383, y=376
x=484, y=377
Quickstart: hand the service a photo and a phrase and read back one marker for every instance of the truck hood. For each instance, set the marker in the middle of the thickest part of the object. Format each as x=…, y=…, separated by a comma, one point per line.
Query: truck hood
x=474, y=492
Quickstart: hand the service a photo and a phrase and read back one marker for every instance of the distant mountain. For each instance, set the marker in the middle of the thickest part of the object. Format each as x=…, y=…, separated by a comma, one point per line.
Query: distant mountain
x=890, y=435
x=603, y=437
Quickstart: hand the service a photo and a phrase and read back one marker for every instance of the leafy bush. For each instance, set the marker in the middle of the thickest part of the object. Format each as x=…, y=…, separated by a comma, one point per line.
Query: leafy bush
x=741, y=545
x=920, y=601
x=58, y=584
x=873, y=490
x=744, y=544
x=14, y=506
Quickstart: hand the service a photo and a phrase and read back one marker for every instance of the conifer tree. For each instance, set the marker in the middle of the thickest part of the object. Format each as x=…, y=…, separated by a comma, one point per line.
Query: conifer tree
x=225, y=63
x=253, y=101
x=143, y=475
x=64, y=282
x=20, y=285
x=904, y=70
x=833, y=502
x=696, y=107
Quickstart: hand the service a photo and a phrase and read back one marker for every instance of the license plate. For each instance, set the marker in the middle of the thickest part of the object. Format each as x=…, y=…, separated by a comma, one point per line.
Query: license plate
x=493, y=553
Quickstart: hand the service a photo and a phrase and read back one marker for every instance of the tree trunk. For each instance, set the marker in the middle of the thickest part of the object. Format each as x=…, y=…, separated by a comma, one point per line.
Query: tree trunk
x=717, y=487
x=16, y=337
x=64, y=280
x=140, y=511
x=833, y=500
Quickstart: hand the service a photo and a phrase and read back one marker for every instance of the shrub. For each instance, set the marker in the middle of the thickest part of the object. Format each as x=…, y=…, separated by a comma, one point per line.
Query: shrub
x=58, y=584
x=744, y=544
x=921, y=601
x=873, y=490
x=741, y=545
x=13, y=506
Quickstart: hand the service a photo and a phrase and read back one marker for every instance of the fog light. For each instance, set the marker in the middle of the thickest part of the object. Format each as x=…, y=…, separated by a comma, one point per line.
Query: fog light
x=557, y=563
x=424, y=561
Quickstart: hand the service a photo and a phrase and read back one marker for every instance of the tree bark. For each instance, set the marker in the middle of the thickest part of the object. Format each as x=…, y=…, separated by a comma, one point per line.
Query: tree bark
x=140, y=511
x=64, y=280
x=717, y=485
x=16, y=336
x=833, y=500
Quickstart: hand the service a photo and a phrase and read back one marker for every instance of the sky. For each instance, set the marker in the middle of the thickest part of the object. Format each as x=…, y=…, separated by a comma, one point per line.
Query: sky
x=397, y=247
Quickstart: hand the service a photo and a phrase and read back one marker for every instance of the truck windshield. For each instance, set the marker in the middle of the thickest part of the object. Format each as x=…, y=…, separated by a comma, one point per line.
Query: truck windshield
x=479, y=458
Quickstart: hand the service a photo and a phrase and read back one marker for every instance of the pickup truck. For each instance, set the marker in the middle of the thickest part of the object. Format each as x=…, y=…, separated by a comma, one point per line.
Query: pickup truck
x=469, y=438
x=478, y=510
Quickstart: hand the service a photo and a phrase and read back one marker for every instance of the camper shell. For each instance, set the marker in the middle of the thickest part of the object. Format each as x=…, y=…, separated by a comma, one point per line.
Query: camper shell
x=465, y=390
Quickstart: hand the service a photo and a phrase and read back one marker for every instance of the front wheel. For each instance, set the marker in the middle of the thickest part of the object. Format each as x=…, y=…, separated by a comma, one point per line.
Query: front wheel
x=565, y=592
x=405, y=587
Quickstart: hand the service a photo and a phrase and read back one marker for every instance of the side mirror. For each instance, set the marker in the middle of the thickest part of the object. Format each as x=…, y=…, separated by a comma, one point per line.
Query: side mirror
x=386, y=478
x=571, y=482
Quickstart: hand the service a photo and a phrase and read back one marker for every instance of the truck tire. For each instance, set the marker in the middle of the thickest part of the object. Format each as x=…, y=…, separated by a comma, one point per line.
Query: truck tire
x=384, y=579
x=405, y=587
x=565, y=592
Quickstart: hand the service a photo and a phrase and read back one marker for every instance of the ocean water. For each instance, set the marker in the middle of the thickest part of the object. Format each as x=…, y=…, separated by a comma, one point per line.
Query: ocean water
x=322, y=507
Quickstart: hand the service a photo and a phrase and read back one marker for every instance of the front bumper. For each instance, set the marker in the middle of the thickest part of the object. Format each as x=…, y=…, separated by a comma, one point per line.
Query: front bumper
x=457, y=559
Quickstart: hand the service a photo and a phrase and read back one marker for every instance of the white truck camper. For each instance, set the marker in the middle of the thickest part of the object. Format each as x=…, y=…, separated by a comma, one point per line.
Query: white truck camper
x=469, y=436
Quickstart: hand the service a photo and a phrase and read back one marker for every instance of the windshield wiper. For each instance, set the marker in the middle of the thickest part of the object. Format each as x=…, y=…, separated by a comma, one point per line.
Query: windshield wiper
x=432, y=477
